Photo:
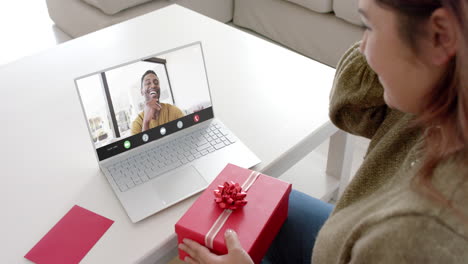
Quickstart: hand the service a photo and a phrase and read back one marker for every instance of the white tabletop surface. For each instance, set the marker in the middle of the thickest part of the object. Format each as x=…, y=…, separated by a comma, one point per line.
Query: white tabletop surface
x=269, y=96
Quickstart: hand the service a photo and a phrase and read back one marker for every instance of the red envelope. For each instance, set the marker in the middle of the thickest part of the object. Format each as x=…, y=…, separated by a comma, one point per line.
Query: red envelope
x=256, y=224
x=71, y=238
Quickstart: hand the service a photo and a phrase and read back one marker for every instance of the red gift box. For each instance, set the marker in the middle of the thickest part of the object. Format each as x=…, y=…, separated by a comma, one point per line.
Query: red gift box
x=256, y=223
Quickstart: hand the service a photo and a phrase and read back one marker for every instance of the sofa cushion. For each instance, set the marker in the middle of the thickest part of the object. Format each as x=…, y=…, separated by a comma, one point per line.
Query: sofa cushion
x=77, y=18
x=112, y=7
x=347, y=10
x=323, y=37
x=320, y=6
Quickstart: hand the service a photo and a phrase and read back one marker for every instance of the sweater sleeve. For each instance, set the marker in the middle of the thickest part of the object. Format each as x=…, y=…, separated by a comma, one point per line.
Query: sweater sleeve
x=410, y=239
x=356, y=101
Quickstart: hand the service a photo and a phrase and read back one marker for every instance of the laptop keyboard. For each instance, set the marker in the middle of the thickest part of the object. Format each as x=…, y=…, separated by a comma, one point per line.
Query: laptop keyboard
x=163, y=158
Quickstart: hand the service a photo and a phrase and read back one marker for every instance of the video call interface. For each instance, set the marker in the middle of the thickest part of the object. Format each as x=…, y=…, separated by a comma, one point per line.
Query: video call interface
x=133, y=104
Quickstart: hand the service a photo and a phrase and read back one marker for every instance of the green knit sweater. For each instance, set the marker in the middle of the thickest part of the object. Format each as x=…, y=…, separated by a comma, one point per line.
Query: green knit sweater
x=380, y=218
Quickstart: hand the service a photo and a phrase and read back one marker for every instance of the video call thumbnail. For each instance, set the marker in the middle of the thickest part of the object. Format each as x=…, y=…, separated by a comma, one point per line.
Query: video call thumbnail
x=130, y=99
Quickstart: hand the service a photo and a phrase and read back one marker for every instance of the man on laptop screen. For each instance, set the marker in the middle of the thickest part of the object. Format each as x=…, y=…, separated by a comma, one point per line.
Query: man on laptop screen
x=155, y=113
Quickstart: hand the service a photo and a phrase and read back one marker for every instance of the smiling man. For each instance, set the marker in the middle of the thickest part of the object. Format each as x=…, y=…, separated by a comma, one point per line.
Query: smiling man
x=154, y=113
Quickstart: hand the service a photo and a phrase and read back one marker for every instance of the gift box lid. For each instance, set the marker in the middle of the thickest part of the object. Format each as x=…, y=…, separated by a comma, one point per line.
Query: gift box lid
x=264, y=199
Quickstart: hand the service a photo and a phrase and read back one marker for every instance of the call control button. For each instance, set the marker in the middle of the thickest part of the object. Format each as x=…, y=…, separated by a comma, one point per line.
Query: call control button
x=180, y=124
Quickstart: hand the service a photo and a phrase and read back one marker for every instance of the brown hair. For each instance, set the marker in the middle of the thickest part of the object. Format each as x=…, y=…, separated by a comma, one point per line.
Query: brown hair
x=446, y=109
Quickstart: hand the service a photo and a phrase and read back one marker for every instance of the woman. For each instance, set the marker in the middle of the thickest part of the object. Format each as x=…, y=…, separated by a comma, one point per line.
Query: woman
x=405, y=86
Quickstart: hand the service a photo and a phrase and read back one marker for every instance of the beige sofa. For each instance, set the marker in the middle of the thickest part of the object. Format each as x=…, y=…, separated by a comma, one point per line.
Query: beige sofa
x=319, y=29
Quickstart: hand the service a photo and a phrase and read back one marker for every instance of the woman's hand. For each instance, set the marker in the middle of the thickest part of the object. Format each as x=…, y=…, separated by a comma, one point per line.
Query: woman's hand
x=202, y=255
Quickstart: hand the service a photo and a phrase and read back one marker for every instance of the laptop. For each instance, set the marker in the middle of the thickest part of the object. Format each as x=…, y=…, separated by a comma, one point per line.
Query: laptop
x=153, y=128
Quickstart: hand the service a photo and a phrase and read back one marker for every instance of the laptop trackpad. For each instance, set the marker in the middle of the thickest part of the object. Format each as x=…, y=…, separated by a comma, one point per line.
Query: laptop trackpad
x=179, y=184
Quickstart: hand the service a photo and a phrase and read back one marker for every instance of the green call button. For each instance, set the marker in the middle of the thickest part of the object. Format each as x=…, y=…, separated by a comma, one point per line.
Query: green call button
x=127, y=144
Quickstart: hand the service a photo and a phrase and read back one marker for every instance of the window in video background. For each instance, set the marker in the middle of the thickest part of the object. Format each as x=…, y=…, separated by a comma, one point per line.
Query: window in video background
x=112, y=100
x=94, y=103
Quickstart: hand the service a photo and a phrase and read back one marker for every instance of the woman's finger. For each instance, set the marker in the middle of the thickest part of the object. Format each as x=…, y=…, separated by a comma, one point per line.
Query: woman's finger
x=190, y=260
x=196, y=251
x=187, y=249
x=232, y=241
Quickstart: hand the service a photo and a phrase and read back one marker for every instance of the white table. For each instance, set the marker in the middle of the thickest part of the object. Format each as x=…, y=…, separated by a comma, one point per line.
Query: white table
x=48, y=164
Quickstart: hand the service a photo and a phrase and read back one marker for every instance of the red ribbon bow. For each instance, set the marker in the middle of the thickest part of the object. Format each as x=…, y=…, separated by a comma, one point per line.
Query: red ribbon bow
x=230, y=196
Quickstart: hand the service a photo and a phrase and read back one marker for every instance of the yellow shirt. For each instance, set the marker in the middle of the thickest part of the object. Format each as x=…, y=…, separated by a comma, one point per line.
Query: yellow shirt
x=168, y=113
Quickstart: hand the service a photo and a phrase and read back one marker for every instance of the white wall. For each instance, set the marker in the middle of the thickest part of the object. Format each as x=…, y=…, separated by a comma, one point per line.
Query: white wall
x=188, y=77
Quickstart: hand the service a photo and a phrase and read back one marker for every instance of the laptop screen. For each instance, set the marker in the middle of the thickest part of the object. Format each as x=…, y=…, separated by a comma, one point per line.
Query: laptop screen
x=133, y=104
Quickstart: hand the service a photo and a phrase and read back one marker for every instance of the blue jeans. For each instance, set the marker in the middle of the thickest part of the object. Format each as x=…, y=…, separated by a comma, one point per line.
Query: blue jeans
x=296, y=238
